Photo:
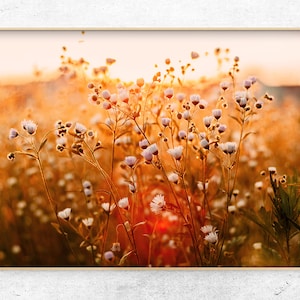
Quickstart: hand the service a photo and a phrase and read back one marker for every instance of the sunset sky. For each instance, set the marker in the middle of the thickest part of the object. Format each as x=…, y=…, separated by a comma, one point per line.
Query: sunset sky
x=272, y=56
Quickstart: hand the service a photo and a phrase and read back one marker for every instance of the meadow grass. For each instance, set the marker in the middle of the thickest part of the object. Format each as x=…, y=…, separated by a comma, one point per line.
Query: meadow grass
x=101, y=172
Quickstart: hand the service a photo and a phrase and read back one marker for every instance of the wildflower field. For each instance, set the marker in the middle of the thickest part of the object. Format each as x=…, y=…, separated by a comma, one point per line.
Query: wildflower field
x=98, y=171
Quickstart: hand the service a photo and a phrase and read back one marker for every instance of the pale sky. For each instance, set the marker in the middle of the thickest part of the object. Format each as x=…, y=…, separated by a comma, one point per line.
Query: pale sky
x=272, y=56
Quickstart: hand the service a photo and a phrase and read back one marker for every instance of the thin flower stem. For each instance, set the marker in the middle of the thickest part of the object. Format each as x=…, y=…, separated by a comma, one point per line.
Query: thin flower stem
x=151, y=238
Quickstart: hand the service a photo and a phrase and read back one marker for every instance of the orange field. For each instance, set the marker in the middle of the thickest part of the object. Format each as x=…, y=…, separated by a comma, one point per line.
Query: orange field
x=101, y=172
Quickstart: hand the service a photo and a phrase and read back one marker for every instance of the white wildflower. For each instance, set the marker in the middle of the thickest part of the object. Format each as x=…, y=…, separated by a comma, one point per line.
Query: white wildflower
x=176, y=152
x=108, y=207
x=130, y=161
x=123, y=203
x=208, y=229
x=169, y=92
x=88, y=222
x=65, y=214
x=173, y=177
x=29, y=126
x=212, y=237
x=80, y=128
x=157, y=204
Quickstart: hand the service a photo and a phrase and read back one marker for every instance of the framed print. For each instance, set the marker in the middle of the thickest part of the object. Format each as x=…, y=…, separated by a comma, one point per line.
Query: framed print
x=150, y=148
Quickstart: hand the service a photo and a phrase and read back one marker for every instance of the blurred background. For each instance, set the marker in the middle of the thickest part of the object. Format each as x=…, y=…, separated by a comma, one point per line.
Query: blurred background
x=270, y=55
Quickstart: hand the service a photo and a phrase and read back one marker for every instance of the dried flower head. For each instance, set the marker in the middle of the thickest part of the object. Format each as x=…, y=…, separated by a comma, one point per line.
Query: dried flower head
x=29, y=126
x=207, y=121
x=182, y=134
x=165, y=121
x=217, y=113
x=224, y=85
x=130, y=161
x=228, y=147
x=176, y=152
x=204, y=144
x=272, y=170
x=173, y=177
x=169, y=93
x=147, y=155
x=153, y=149
x=143, y=143
x=195, y=99
x=258, y=185
x=194, y=54
x=247, y=84
x=13, y=133
x=222, y=128
x=11, y=156
x=80, y=129
x=109, y=256
x=106, y=94
x=116, y=247
x=203, y=104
